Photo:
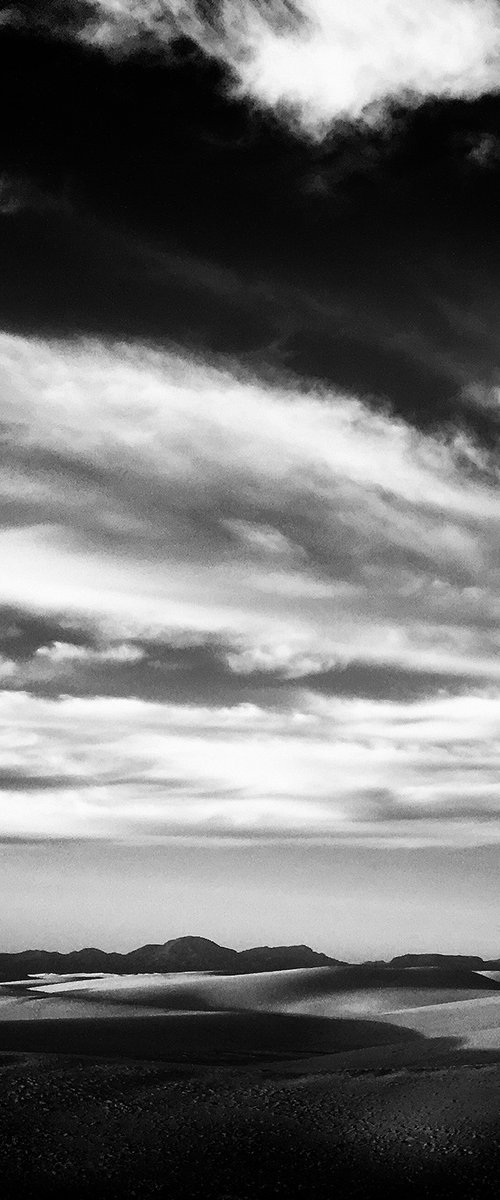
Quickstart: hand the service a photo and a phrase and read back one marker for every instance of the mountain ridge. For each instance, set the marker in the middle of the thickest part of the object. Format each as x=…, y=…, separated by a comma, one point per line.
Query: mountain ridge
x=177, y=954
x=191, y=953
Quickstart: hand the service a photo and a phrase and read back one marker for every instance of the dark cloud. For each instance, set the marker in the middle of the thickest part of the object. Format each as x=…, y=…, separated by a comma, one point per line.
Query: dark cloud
x=22, y=633
x=385, y=807
x=204, y=672
x=163, y=671
x=20, y=781
x=26, y=842
x=185, y=216
x=58, y=18
x=392, y=682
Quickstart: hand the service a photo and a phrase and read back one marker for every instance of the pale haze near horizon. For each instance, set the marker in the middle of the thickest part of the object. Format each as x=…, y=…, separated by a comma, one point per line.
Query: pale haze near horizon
x=348, y=903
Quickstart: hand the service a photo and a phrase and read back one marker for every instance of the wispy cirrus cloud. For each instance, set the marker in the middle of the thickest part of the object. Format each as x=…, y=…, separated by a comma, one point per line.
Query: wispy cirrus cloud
x=174, y=526
x=173, y=496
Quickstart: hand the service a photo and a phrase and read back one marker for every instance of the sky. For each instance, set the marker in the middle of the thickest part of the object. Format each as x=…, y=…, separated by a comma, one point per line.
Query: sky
x=250, y=522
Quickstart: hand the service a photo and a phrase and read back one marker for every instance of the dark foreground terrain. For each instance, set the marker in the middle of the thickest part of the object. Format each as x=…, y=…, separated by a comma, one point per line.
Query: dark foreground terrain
x=73, y=1126
x=309, y=1082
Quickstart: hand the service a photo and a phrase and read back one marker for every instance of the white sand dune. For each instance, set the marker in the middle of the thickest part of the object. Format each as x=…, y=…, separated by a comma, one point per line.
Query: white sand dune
x=475, y=1022
x=450, y=1031
x=321, y=1010
x=319, y=991
x=494, y=975
x=301, y=990
x=56, y=977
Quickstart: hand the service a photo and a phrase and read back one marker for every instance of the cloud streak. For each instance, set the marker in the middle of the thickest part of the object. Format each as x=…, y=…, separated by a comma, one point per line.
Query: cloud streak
x=340, y=770
x=178, y=497
x=173, y=524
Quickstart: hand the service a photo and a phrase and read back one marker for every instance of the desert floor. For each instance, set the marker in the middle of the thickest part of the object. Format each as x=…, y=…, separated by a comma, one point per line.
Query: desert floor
x=127, y=1087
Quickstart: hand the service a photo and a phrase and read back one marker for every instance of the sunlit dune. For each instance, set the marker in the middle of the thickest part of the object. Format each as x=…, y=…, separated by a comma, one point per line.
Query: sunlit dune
x=321, y=991
x=360, y=1017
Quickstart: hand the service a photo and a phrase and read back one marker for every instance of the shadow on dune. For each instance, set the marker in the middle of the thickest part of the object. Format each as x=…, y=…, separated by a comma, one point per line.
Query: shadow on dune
x=361, y=978
x=184, y=1129
x=205, y=1037
x=219, y=1039
x=210, y=1020
x=277, y=1040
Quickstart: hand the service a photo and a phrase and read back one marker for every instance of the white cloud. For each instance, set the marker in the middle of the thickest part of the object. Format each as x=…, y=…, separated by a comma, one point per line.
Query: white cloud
x=57, y=661
x=334, y=769
x=317, y=61
x=311, y=63
x=60, y=653
x=151, y=495
x=303, y=529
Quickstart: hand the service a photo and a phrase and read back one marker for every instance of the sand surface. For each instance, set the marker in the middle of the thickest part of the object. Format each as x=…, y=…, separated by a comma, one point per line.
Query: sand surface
x=286, y=1083
x=73, y=1127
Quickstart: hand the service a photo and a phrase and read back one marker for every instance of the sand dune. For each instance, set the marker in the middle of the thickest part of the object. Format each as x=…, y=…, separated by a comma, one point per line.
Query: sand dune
x=450, y=1033
x=494, y=975
x=476, y=1022
x=319, y=991
x=216, y=1038
x=350, y=1017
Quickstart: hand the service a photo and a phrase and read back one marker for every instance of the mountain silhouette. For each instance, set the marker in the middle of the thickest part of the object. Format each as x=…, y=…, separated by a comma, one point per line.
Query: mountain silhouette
x=201, y=954
x=282, y=958
x=184, y=954
x=178, y=954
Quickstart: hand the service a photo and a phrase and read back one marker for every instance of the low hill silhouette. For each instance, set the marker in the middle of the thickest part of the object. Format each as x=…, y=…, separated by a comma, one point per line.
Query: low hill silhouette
x=283, y=958
x=466, y=962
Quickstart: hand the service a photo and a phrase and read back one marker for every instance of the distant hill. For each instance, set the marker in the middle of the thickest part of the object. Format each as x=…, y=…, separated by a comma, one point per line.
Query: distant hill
x=178, y=954
x=201, y=954
x=183, y=954
x=466, y=962
x=282, y=958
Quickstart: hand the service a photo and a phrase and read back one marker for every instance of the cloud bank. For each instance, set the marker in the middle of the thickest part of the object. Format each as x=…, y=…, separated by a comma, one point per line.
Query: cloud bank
x=338, y=770
x=173, y=529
